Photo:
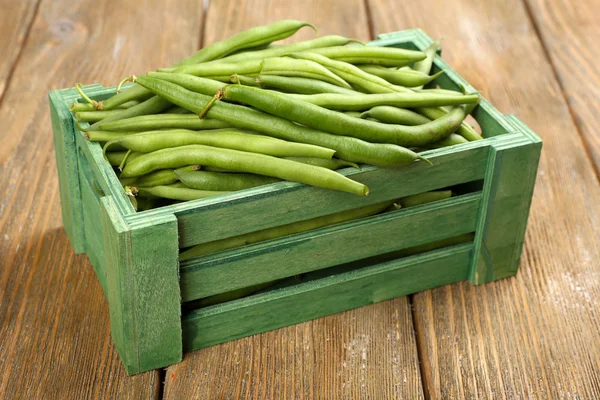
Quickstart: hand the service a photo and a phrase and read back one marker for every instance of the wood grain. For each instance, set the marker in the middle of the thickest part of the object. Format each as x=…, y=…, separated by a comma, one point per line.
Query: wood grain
x=54, y=331
x=570, y=36
x=15, y=19
x=534, y=335
x=366, y=353
x=317, y=359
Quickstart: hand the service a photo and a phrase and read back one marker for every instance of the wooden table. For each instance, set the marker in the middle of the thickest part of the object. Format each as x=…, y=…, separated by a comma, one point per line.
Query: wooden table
x=533, y=336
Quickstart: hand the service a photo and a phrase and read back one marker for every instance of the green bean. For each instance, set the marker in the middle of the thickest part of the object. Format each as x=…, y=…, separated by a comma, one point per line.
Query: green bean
x=347, y=148
x=158, y=178
x=333, y=163
x=162, y=121
x=176, y=193
x=129, y=104
x=452, y=140
x=94, y=116
x=177, y=110
x=317, y=117
x=425, y=64
x=241, y=161
x=198, y=84
x=250, y=38
x=439, y=91
x=395, y=115
x=153, y=105
x=280, y=231
x=248, y=67
x=355, y=114
x=423, y=198
x=290, y=84
x=243, y=80
x=220, y=181
x=386, y=56
x=284, y=66
x=402, y=77
x=324, y=41
x=115, y=157
x=104, y=136
x=229, y=138
x=360, y=102
x=465, y=130
x=350, y=73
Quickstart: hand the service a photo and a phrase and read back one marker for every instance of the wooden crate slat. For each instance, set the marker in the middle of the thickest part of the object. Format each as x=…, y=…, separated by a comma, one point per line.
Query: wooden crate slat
x=143, y=289
x=329, y=246
x=271, y=310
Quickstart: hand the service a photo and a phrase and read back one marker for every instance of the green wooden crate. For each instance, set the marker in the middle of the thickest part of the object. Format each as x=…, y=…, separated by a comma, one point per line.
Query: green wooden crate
x=151, y=296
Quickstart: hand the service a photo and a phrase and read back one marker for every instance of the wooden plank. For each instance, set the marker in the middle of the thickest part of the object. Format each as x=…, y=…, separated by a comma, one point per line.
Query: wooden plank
x=54, y=330
x=351, y=241
x=365, y=353
x=142, y=289
x=183, y=381
x=569, y=36
x=533, y=336
x=16, y=19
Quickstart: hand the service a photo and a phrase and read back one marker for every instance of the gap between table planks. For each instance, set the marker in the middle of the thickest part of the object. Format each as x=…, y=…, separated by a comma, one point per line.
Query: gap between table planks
x=54, y=328
x=533, y=335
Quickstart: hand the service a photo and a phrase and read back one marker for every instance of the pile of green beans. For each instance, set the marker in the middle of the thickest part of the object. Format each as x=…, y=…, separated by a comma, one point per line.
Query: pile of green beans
x=242, y=113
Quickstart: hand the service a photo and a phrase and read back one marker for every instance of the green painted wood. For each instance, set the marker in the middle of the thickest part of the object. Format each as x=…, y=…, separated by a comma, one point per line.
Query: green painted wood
x=287, y=306
x=66, y=166
x=507, y=194
x=143, y=289
x=328, y=246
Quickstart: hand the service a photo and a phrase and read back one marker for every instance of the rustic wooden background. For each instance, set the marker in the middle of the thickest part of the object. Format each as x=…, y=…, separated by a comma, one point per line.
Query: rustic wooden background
x=534, y=336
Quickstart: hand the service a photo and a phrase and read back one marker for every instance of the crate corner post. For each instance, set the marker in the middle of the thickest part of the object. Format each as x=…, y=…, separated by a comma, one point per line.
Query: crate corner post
x=67, y=167
x=142, y=272
x=507, y=195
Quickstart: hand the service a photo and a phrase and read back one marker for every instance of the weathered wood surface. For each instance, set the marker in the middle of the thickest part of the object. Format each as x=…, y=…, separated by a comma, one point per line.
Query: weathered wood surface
x=54, y=331
x=569, y=34
x=15, y=19
x=533, y=335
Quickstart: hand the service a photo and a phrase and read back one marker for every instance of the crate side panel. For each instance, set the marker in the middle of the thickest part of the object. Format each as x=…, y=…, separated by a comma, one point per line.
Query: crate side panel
x=143, y=289
x=66, y=165
x=507, y=198
x=328, y=246
x=325, y=296
x=252, y=210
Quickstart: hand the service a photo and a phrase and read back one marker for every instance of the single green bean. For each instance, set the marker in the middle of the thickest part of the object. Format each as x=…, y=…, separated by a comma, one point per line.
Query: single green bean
x=158, y=178
x=465, y=130
x=153, y=105
x=395, y=115
x=300, y=85
x=115, y=157
x=402, y=77
x=280, y=231
x=129, y=104
x=333, y=163
x=104, y=136
x=162, y=121
x=198, y=84
x=176, y=193
x=253, y=37
x=347, y=148
x=220, y=181
x=243, y=80
x=423, y=198
x=361, y=102
x=284, y=66
x=229, y=138
x=313, y=116
x=386, y=56
x=439, y=91
x=247, y=67
x=94, y=116
x=425, y=64
x=241, y=161
x=452, y=140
